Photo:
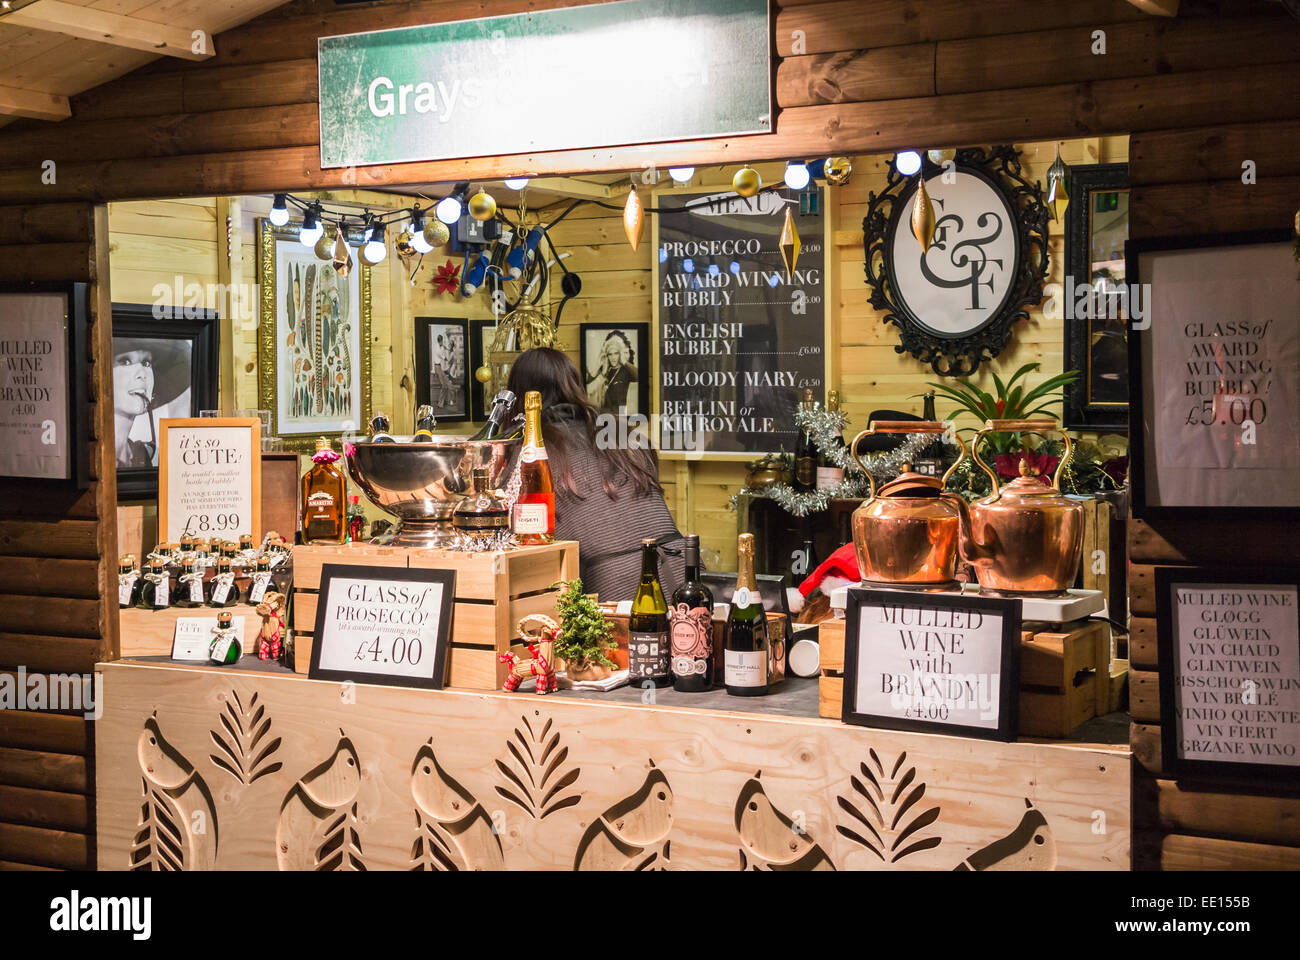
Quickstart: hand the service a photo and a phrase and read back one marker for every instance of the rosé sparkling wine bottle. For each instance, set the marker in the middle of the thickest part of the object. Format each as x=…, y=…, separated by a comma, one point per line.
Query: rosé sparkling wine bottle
x=532, y=518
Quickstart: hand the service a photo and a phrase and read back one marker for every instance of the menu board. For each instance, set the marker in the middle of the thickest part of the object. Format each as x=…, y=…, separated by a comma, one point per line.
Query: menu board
x=209, y=477
x=1233, y=656
x=738, y=337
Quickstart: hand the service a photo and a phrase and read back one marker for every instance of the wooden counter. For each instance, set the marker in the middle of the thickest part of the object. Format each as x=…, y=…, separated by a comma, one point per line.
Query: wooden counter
x=279, y=771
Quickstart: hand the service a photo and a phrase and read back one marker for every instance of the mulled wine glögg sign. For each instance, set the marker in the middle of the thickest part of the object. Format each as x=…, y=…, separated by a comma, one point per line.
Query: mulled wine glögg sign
x=209, y=477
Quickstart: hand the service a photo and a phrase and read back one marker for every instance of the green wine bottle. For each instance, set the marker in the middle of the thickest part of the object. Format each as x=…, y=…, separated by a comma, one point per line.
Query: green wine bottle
x=225, y=647
x=647, y=645
x=744, y=669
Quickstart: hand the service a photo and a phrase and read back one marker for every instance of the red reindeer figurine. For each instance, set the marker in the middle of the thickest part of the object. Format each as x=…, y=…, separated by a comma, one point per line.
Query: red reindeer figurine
x=541, y=644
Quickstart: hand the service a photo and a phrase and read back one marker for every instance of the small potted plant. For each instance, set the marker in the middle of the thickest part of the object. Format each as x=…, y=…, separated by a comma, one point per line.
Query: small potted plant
x=586, y=636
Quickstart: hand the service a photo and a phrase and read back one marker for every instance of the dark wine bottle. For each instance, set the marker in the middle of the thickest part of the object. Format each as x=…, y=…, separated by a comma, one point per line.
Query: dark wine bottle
x=380, y=430
x=647, y=642
x=496, y=420
x=690, y=627
x=425, y=421
x=745, y=657
x=805, y=452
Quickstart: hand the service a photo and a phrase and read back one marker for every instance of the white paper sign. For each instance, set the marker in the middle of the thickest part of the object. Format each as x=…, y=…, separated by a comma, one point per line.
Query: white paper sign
x=939, y=664
x=34, y=385
x=1237, y=673
x=373, y=627
x=210, y=476
x=193, y=637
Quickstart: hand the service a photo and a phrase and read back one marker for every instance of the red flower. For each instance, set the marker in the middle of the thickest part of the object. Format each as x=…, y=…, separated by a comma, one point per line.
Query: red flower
x=1116, y=468
x=1000, y=407
x=447, y=279
x=1039, y=466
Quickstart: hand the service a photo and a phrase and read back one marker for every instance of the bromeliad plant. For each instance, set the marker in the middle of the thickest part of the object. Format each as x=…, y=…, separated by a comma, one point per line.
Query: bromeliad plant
x=1012, y=402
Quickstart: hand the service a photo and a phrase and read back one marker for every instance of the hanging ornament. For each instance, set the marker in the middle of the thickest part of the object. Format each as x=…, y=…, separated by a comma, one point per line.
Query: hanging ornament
x=746, y=182
x=838, y=170
x=1058, y=190
x=790, y=242
x=447, y=278
x=342, y=259
x=403, y=245
x=923, y=216
x=483, y=374
x=482, y=206
x=325, y=246
x=633, y=217
x=436, y=233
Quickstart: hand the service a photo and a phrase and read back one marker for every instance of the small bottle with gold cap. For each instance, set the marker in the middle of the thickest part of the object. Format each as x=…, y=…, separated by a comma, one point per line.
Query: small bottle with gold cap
x=222, y=589
x=324, y=502
x=156, y=592
x=189, y=592
x=225, y=647
x=129, y=581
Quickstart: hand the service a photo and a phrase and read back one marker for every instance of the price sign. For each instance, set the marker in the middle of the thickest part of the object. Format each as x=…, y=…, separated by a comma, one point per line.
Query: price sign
x=941, y=664
x=209, y=477
x=383, y=625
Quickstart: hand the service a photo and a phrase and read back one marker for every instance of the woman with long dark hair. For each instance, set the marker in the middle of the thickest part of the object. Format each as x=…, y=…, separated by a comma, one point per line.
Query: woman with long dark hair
x=607, y=491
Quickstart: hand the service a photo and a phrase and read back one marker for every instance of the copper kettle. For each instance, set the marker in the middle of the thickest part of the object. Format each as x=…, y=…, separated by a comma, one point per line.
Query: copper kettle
x=908, y=531
x=1024, y=537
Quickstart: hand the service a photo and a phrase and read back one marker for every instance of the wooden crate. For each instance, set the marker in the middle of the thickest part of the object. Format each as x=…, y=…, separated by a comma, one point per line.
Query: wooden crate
x=149, y=633
x=493, y=591
x=1065, y=675
x=280, y=484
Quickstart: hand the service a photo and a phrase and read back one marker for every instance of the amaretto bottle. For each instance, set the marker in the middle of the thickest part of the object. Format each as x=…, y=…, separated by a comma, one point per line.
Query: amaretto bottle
x=532, y=520
x=323, y=498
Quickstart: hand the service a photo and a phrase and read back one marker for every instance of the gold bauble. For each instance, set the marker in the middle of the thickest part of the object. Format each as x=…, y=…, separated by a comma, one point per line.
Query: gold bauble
x=837, y=170
x=483, y=374
x=324, y=246
x=746, y=182
x=482, y=206
x=923, y=216
x=940, y=157
x=436, y=233
x=403, y=244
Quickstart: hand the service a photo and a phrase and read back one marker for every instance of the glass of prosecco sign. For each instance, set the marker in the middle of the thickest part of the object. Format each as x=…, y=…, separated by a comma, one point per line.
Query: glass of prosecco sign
x=636, y=71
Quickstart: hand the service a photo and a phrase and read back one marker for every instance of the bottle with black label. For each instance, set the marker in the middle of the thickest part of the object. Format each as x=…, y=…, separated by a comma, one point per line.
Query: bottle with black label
x=829, y=474
x=425, y=421
x=496, y=421
x=647, y=641
x=690, y=626
x=805, y=452
x=745, y=656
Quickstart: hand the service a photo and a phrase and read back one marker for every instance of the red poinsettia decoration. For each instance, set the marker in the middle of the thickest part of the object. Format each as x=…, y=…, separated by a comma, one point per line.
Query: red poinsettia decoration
x=447, y=279
x=1039, y=466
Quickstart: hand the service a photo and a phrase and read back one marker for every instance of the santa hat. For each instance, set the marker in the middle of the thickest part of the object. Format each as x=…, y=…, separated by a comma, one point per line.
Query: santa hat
x=838, y=570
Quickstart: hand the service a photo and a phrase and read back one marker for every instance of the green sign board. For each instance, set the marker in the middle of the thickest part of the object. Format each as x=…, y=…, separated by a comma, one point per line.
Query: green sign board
x=637, y=71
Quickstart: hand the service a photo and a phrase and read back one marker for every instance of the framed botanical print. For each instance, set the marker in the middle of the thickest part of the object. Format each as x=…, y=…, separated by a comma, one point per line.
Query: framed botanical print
x=481, y=335
x=313, y=341
x=442, y=371
x=1094, y=300
x=164, y=367
x=614, y=361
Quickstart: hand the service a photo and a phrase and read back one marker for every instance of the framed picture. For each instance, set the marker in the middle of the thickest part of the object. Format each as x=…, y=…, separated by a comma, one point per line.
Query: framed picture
x=383, y=625
x=1214, y=359
x=164, y=367
x=615, y=363
x=44, y=413
x=481, y=335
x=1094, y=300
x=442, y=371
x=938, y=664
x=1229, y=648
x=313, y=341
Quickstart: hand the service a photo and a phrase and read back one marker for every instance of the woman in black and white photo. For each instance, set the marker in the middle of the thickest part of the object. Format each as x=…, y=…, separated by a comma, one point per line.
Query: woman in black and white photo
x=612, y=385
x=148, y=375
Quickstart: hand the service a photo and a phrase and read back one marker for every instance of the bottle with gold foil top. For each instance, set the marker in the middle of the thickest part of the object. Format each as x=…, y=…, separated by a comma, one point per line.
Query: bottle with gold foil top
x=156, y=593
x=480, y=514
x=829, y=474
x=805, y=451
x=129, y=582
x=324, y=504
x=261, y=579
x=425, y=421
x=745, y=654
x=225, y=647
x=189, y=591
x=222, y=590
x=533, y=517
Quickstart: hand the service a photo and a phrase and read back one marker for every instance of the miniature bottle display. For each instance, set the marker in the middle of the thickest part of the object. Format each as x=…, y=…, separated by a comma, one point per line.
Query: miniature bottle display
x=157, y=586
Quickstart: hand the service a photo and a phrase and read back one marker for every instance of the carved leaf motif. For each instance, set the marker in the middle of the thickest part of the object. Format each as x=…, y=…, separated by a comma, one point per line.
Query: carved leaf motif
x=431, y=851
x=885, y=812
x=159, y=843
x=341, y=848
x=245, y=748
x=534, y=772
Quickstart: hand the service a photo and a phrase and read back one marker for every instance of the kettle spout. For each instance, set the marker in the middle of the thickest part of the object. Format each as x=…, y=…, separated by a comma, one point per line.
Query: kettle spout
x=971, y=549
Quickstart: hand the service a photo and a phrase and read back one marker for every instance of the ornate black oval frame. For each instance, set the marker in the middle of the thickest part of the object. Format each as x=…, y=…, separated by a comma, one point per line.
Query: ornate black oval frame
x=959, y=356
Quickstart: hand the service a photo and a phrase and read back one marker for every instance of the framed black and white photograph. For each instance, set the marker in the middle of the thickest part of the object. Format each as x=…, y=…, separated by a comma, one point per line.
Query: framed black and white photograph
x=481, y=335
x=937, y=664
x=1095, y=301
x=613, y=358
x=1214, y=359
x=383, y=625
x=163, y=368
x=44, y=420
x=1229, y=649
x=442, y=370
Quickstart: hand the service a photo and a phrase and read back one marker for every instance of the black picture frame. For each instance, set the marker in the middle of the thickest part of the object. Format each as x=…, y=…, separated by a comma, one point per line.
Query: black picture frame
x=76, y=425
x=1008, y=608
x=425, y=328
x=1081, y=411
x=386, y=576
x=1134, y=250
x=1167, y=578
x=199, y=327
x=958, y=355
x=478, y=400
x=640, y=360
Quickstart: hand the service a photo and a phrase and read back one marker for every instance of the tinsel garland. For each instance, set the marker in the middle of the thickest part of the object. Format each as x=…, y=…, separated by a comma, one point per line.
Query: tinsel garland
x=503, y=540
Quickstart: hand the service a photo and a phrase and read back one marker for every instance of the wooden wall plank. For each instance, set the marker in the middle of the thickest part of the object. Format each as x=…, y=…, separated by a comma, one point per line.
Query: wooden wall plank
x=1142, y=650
x=43, y=223
x=46, y=808
x=1215, y=207
x=1232, y=816
x=877, y=74
x=74, y=539
x=1144, y=738
x=50, y=653
x=1201, y=154
x=1144, y=695
x=39, y=768
x=40, y=261
x=57, y=733
x=49, y=578
x=46, y=848
x=19, y=500
x=1178, y=852
x=1271, y=541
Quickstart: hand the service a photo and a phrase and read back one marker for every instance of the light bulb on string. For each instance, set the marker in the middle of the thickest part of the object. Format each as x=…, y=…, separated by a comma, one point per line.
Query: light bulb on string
x=448, y=210
x=797, y=175
x=681, y=174
x=515, y=183
x=279, y=210
x=419, y=242
x=688, y=265
x=374, y=250
x=908, y=162
x=311, y=228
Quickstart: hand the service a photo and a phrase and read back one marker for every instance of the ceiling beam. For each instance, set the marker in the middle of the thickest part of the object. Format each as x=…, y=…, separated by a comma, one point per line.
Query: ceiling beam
x=15, y=102
x=1159, y=8
x=86, y=23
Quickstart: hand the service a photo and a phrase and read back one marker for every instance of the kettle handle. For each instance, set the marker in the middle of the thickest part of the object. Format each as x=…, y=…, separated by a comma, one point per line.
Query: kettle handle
x=1025, y=426
x=900, y=426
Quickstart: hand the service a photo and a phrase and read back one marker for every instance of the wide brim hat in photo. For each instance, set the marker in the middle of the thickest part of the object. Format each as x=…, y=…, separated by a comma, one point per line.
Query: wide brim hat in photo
x=171, y=365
